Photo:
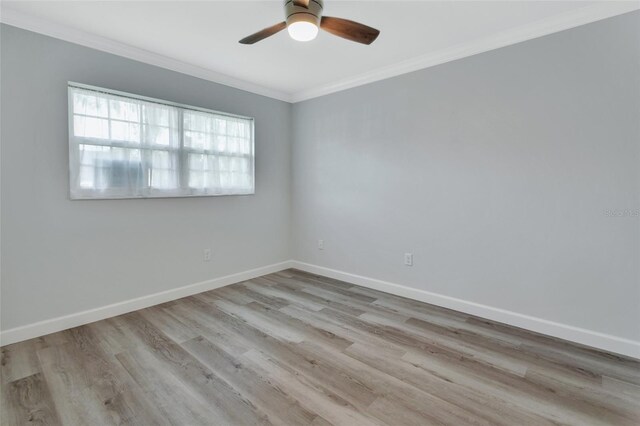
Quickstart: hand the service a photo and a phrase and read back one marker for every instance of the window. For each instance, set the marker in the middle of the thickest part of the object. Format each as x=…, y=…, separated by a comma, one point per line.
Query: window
x=127, y=146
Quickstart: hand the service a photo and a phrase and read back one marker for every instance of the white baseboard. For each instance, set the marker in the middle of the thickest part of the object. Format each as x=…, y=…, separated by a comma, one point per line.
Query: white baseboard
x=41, y=328
x=575, y=334
x=583, y=336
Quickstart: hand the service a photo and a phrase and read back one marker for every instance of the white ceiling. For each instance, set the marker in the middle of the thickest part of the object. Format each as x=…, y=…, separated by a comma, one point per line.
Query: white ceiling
x=201, y=38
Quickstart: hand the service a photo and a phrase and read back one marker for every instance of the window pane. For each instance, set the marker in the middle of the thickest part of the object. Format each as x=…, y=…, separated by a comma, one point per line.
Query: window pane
x=220, y=126
x=124, y=110
x=161, y=125
x=220, y=173
x=197, y=140
x=164, y=170
x=88, y=103
x=158, y=135
x=108, y=167
x=229, y=168
x=202, y=171
x=199, y=130
x=123, y=131
x=90, y=127
x=198, y=121
x=232, y=128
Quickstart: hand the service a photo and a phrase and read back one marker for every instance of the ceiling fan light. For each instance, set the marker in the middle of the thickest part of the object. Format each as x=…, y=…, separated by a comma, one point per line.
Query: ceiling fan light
x=302, y=30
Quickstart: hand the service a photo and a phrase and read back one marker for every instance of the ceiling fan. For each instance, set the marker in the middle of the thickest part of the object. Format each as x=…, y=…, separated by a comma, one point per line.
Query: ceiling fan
x=302, y=22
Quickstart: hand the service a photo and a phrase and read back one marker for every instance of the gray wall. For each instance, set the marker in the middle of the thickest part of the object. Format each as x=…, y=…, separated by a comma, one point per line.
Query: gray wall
x=60, y=257
x=495, y=171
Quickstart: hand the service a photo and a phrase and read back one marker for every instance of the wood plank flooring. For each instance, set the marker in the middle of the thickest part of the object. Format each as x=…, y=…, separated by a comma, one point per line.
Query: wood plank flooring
x=297, y=349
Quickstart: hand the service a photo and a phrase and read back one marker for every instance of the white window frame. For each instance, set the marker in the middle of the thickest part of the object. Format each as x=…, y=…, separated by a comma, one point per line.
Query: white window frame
x=78, y=193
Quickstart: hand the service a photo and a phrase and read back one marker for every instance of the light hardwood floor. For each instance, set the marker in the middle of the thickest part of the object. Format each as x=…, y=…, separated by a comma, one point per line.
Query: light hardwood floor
x=298, y=349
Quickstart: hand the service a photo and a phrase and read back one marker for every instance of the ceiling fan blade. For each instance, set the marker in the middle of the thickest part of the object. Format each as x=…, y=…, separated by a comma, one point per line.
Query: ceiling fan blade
x=302, y=3
x=262, y=34
x=350, y=30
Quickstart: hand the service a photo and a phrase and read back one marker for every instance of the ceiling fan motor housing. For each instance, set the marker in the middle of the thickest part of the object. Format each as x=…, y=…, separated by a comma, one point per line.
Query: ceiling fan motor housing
x=296, y=13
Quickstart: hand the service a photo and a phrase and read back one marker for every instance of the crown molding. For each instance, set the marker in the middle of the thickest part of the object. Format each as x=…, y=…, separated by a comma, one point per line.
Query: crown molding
x=553, y=24
x=530, y=31
x=17, y=19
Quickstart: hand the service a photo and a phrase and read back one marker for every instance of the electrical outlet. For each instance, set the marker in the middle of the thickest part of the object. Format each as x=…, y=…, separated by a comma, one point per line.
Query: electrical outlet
x=206, y=254
x=320, y=244
x=408, y=259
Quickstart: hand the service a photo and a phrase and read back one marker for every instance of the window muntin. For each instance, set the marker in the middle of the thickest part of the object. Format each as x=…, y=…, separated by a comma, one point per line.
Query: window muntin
x=124, y=146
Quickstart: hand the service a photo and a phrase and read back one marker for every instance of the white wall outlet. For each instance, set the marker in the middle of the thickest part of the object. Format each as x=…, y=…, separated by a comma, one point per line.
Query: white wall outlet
x=320, y=244
x=206, y=254
x=408, y=259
